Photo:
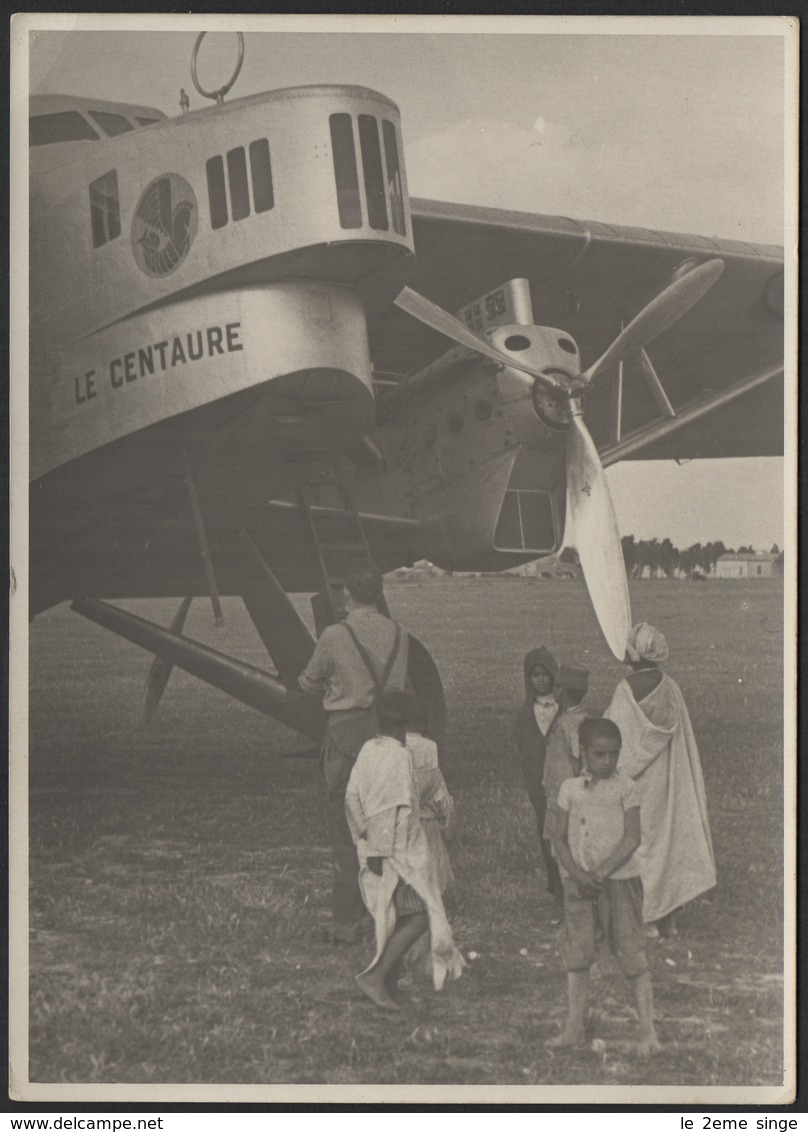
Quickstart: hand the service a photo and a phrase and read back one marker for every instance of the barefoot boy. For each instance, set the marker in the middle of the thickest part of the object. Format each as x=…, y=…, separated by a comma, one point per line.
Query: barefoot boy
x=397, y=875
x=597, y=833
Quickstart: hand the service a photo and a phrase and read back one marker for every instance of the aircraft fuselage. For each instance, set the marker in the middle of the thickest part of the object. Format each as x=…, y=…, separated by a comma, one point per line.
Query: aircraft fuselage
x=200, y=290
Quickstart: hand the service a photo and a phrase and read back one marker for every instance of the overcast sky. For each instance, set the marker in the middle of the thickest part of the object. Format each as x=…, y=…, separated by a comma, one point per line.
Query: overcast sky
x=679, y=132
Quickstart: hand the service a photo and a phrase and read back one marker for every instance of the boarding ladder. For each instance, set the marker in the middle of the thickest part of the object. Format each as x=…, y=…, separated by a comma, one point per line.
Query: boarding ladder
x=336, y=532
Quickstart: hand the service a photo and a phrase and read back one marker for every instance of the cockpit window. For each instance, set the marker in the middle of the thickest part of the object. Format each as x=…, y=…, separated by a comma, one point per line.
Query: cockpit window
x=261, y=170
x=395, y=193
x=217, y=193
x=345, y=174
x=237, y=178
x=111, y=124
x=146, y=121
x=381, y=174
x=238, y=182
x=372, y=168
x=105, y=210
x=68, y=126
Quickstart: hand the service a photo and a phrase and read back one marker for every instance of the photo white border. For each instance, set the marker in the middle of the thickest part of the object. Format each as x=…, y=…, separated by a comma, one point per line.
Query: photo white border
x=21, y=1089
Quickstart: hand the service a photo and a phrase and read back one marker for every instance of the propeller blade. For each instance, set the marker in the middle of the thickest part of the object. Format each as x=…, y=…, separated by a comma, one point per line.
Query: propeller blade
x=662, y=312
x=597, y=537
x=161, y=669
x=432, y=315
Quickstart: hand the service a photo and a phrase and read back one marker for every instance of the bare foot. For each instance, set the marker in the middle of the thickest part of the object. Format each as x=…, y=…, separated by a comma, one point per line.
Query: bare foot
x=568, y=1038
x=376, y=991
x=647, y=1047
x=391, y=985
x=399, y=996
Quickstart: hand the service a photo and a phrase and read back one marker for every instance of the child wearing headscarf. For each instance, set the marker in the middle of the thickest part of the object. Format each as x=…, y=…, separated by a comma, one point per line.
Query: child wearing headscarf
x=531, y=731
x=661, y=755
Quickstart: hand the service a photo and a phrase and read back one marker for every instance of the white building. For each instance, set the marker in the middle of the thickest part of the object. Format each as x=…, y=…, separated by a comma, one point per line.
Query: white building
x=745, y=566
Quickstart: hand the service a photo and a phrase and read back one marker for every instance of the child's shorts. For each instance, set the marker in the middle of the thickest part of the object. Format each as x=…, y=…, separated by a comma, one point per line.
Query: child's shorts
x=406, y=900
x=614, y=915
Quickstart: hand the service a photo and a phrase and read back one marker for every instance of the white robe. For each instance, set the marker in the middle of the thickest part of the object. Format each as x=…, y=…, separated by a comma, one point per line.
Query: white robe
x=659, y=752
x=381, y=804
x=435, y=806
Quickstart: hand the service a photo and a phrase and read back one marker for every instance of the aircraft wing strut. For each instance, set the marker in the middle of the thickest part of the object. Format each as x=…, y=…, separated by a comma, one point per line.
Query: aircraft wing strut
x=653, y=434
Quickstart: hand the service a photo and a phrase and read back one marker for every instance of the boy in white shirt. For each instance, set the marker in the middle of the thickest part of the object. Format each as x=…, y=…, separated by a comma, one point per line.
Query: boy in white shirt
x=597, y=834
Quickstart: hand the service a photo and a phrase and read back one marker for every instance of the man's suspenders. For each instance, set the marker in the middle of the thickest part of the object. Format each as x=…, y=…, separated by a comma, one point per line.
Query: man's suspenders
x=378, y=685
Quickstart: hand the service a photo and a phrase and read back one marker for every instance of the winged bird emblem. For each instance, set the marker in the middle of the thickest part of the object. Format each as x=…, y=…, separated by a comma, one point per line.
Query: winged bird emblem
x=164, y=225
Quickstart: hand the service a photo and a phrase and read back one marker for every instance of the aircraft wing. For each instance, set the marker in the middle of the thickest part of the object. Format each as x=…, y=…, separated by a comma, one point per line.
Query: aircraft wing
x=719, y=367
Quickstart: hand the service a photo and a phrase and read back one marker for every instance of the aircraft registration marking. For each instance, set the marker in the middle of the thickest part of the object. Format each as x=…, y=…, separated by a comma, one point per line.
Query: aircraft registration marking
x=508, y=304
x=486, y=311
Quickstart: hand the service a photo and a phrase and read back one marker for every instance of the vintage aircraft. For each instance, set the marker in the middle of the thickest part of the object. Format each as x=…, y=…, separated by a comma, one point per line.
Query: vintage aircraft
x=237, y=382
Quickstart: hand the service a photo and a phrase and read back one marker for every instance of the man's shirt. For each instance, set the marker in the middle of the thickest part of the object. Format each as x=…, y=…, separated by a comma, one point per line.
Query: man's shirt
x=596, y=808
x=338, y=671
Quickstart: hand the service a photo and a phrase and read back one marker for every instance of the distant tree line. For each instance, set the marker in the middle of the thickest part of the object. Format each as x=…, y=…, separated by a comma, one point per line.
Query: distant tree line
x=661, y=557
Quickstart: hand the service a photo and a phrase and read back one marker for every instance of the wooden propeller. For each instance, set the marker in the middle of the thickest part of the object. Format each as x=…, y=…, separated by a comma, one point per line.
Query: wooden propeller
x=597, y=535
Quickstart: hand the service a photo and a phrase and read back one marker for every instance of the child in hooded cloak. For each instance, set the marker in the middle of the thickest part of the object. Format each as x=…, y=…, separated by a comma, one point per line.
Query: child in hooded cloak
x=531, y=730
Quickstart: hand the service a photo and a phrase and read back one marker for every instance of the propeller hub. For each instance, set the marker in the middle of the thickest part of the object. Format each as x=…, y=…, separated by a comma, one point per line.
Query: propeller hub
x=552, y=406
x=553, y=360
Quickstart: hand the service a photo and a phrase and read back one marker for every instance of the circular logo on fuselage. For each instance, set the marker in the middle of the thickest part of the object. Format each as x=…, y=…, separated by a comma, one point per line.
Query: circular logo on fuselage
x=164, y=225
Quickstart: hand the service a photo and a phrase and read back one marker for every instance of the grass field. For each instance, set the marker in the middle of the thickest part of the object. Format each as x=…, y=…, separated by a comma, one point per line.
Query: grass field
x=179, y=885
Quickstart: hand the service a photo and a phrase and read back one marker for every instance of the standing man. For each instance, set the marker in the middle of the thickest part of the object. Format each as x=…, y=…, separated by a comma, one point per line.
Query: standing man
x=661, y=754
x=353, y=663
